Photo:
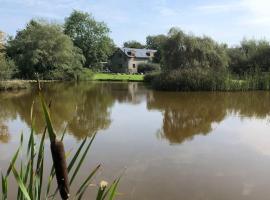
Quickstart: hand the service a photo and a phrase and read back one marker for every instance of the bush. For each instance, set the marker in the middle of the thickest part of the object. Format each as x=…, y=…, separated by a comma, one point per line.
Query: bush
x=148, y=67
x=7, y=68
x=148, y=78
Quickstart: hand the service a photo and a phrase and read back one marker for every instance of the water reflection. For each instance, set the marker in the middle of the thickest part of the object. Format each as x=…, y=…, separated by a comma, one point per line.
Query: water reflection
x=189, y=114
x=85, y=108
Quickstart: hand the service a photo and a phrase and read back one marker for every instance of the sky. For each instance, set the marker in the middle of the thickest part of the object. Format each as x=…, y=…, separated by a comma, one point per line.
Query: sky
x=226, y=21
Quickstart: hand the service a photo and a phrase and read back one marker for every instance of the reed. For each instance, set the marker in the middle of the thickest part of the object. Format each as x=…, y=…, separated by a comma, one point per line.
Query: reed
x=30, y=175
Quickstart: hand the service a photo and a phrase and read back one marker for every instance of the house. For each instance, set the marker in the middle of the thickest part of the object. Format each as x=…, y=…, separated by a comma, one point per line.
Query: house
x=127, y=60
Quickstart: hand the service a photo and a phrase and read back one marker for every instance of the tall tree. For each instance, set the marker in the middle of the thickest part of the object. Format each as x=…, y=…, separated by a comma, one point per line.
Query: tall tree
x=90, y=36
x=181, y=50
x=44, y=49
x=133, y=44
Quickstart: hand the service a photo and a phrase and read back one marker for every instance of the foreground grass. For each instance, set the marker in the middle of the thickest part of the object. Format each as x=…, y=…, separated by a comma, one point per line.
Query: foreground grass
x=117, y=77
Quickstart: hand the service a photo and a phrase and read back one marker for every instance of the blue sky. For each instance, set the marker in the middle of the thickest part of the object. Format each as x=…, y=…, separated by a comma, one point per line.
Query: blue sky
x=226, y=21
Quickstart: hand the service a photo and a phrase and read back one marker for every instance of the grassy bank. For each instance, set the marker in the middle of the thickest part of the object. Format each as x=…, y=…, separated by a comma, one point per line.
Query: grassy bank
x=117, y=77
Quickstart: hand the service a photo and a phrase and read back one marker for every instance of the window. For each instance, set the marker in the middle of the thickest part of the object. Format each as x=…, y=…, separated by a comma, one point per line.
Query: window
x=148, y=53
x=134, y=65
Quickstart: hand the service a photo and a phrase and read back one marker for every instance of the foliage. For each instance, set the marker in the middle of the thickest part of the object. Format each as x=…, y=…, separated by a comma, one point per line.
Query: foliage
x=148, y=67
x=189, y=79
x=197, y=79
x=250, y=56
x=133, y=44
x=90, y=36
x=149, y=78
x=7, y=66
x=186, y=51
x=86, y=75
x=156, y=42
x=44, y=49
x=30, y=176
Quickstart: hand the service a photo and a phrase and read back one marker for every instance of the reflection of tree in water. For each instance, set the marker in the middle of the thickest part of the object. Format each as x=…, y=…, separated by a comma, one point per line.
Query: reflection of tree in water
x=4, y=133
x=93, y=113
x=189, y=114
x=85, y=107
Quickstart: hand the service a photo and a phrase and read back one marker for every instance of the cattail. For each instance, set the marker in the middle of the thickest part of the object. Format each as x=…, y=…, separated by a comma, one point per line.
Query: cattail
x=60, y=166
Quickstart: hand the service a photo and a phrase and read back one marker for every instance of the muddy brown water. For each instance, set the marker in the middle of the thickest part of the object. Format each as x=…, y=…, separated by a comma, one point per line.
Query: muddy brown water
x=169, y=145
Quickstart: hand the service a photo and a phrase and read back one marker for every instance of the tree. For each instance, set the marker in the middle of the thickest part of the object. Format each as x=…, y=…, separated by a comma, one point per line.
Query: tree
x=186, y=51
x=44, y=49
x=90, y=36
x=250, y=56
x=156, y=42
x=133, y=44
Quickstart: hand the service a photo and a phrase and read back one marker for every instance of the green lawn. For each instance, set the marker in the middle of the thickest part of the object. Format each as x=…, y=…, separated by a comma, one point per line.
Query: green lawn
x=117, y=77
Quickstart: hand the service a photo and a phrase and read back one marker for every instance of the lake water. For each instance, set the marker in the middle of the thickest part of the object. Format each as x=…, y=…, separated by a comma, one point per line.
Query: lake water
x=169, y=145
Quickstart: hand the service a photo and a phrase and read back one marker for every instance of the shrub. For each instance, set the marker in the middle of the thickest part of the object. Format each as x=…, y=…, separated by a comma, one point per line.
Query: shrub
x=7, y=68
x=148, y=78
x=148, y=67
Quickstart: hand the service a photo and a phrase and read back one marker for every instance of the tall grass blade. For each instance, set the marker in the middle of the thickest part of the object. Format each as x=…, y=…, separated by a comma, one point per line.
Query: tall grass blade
x=113, y=189
x=21, y=184
x=13, y=161
x=85, y=184
x=82, y=159
x=4, y=187
x=72, y=162
x=47, y=116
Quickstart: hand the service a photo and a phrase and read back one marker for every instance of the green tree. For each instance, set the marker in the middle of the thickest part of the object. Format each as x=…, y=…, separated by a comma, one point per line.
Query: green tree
x=250, y=56
x=156, y=42
x=90, y=36
x=133, y=44
x=185, y=51
x=44, y=49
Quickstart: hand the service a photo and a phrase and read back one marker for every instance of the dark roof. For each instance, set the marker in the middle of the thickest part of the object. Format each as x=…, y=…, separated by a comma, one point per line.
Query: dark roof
x=137, y=53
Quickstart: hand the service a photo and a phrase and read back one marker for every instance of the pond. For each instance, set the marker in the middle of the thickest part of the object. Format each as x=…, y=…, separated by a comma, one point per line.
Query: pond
x=167, y=145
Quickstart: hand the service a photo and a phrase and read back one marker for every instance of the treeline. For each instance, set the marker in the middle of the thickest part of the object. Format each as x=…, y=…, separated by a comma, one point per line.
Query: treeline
x=190, y=62
x=55, y=51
